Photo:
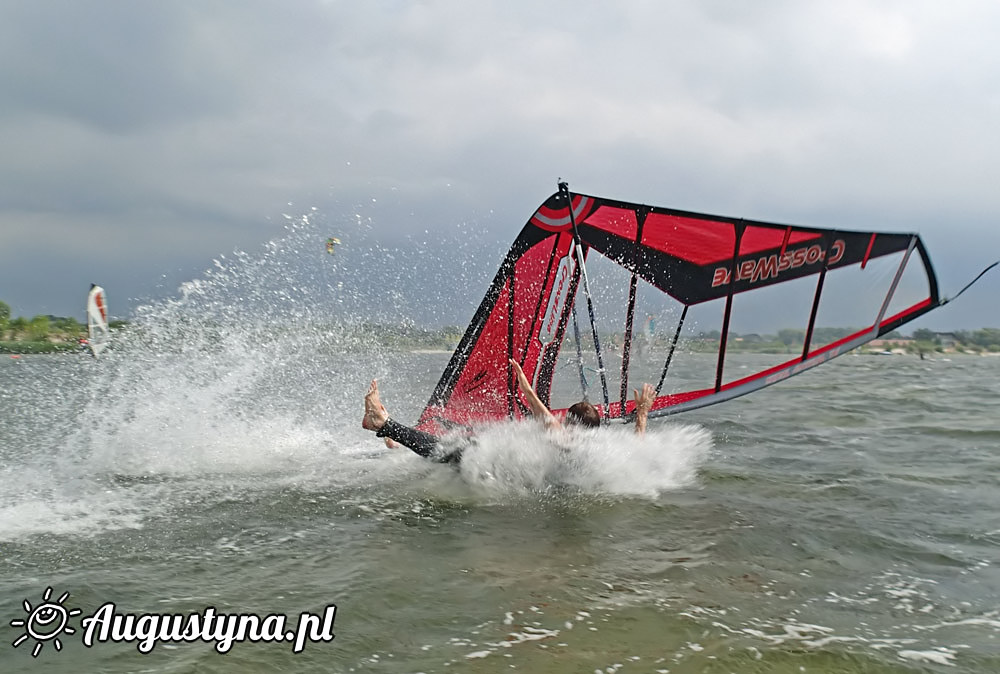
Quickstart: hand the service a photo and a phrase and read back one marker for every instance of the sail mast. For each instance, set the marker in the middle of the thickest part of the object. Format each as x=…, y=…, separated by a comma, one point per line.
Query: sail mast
x=578, y=244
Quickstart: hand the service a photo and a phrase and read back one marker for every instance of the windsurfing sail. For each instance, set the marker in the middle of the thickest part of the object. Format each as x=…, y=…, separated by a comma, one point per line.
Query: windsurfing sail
x=739, y=305
x=98, y=334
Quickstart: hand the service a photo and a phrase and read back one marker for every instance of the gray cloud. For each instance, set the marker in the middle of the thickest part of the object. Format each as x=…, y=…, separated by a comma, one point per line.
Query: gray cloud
x=143, y=139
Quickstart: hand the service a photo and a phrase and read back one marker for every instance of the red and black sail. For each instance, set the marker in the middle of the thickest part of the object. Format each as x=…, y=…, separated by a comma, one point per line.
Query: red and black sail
x=693, y=258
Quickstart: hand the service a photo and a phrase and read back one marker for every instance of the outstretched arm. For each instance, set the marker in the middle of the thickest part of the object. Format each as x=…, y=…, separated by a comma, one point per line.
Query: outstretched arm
x=643, y=404
x=538, y=408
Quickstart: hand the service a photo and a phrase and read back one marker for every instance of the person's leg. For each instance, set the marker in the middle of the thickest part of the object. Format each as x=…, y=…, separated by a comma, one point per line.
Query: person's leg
x=377, y=419
x=424, y=444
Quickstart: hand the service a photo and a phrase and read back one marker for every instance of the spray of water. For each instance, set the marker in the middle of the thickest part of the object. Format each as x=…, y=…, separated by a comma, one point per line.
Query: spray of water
x=519, y=459
x=252, y=376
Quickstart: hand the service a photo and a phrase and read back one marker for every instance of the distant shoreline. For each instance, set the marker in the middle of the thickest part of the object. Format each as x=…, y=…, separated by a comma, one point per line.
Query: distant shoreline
x=25, y=348
x=47, y=348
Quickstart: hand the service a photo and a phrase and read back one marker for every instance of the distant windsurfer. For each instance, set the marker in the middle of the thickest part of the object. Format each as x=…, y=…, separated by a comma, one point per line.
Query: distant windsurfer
x=428, y=445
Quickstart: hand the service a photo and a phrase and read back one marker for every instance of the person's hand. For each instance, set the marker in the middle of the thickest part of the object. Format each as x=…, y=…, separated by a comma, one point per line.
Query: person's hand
x=643, y=404
x=644, y=400
x=522, y=379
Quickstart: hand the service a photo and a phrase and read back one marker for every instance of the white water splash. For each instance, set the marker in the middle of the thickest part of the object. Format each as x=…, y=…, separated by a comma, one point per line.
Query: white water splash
x=522, y=458
x=251, y=375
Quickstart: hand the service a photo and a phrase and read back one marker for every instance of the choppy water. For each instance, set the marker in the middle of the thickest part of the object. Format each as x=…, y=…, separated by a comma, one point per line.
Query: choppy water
x=847, y=520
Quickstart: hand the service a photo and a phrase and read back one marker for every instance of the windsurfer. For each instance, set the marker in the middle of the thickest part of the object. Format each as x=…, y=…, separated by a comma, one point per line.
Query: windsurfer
x=582, y=413
x=377, y=419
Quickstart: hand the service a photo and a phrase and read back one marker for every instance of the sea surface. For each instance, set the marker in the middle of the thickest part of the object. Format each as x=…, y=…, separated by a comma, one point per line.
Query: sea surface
x=212, y=461
x=847, y=520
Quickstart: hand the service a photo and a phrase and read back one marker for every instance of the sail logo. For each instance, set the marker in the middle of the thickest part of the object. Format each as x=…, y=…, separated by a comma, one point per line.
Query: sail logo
x=557, y=299
x=771, y=266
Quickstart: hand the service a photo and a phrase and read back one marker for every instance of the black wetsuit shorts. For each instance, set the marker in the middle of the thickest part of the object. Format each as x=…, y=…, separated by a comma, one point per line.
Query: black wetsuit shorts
x=425, y=444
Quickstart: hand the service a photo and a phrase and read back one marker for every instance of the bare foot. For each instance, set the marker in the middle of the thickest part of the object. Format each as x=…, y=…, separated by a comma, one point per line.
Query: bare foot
x=375, y=414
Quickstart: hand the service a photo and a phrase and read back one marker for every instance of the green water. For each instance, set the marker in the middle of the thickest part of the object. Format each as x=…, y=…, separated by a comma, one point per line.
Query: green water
x=847, y=520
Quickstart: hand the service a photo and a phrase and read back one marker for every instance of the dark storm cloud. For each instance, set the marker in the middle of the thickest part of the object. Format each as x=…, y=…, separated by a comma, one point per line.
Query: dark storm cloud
x=145, y=138
x=117, y=67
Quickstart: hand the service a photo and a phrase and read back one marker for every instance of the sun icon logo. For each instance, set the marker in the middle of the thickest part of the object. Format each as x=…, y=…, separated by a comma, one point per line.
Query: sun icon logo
x=45, y=622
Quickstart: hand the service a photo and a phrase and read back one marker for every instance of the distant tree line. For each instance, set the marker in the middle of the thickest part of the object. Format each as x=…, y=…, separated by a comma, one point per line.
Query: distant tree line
x=54, y=333
x=922, y=340
x=37, y=328
x=40, y=333
x=984, y=338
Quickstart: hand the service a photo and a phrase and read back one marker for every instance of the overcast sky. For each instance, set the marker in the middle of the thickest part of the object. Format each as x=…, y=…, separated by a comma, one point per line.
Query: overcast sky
x=141, y=140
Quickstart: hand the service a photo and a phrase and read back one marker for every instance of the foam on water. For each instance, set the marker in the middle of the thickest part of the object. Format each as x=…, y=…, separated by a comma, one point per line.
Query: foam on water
x=522, y=458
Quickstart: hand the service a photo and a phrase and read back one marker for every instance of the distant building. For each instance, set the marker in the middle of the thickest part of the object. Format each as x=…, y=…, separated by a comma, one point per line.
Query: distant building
x=947, y=339
x=890, y=343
